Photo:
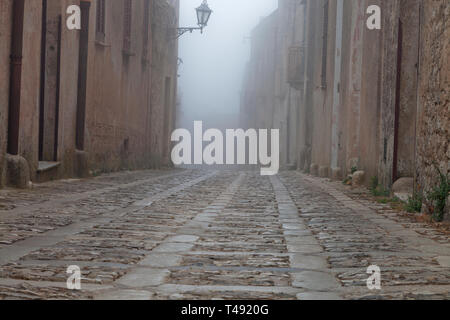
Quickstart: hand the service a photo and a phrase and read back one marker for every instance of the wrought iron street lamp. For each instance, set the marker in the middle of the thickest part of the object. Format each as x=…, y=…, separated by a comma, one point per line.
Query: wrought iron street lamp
x=203, y=15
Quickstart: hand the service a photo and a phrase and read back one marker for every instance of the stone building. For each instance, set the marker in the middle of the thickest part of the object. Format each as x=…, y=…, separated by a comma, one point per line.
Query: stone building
x=375, y=100
x=88, y=100
x=271, y=90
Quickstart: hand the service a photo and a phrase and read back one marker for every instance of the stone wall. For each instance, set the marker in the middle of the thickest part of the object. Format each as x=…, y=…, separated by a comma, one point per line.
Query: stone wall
x=128, y=119
x=125, y=104
x=30, y=90
x=117, y=101
x=258, y=94
x=67, y=96
x=371, y=81
x=164, y=80
x=359, y=106
x=268, y=99
x=433, y=129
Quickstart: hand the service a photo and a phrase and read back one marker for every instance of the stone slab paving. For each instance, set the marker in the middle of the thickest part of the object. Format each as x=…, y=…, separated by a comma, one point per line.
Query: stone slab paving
x=356, y=235
x=193, y=234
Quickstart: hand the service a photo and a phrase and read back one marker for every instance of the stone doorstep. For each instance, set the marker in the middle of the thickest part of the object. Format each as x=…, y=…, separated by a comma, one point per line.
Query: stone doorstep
x=44, y=166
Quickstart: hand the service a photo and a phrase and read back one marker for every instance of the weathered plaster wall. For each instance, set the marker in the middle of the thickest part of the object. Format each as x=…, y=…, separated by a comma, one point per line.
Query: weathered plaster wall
x=323, y=95
x=268, y=100
x=258, y=93
x=433, y=132
x=5, y=44
x=30, y=91
x=410, y=17
x=306, y=108
x=68, y=95
x=351, y=85
x=370, y=100
x=125, y=101
x=29, y=123
x=115, y=89
x=121, y=129
x=388, y=90
x=164, y=80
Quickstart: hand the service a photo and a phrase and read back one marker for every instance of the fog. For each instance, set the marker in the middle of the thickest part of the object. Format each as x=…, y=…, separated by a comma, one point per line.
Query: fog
x=210, y=77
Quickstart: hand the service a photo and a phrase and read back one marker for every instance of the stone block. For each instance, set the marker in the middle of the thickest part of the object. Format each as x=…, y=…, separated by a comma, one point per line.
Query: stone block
x=403, y=188
x=17, y=172
x=314, y=170
x=404, y=185
x=336, y=173
x=81, y=164
x=358, y=178
x=324, y=172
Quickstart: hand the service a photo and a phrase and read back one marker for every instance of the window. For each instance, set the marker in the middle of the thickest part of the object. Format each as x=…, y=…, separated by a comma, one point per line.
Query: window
x=325, y=44
x=127, y=26
x=100, y=21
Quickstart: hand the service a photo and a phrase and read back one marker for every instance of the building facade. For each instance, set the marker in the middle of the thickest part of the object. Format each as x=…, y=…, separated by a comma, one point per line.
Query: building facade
x=368, y=99
x=74, y=102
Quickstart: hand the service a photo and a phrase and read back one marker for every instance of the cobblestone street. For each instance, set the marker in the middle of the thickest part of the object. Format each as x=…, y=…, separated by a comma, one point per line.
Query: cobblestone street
x=196, y=234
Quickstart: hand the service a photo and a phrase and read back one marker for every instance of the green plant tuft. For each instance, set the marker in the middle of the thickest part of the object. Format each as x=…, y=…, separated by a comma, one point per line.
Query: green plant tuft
x=376, y=189
x=414, y=204
x=438, y=196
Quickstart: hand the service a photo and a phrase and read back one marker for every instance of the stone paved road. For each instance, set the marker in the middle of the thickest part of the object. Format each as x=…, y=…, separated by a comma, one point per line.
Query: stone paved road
x=193, y=234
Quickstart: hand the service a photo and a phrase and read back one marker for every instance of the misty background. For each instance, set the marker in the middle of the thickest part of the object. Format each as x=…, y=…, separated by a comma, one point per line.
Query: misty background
x=211, y=75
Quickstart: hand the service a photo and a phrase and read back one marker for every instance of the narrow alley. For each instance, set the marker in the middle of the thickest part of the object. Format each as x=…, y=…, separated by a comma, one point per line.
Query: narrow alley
x=198, y=234
x=203, y=151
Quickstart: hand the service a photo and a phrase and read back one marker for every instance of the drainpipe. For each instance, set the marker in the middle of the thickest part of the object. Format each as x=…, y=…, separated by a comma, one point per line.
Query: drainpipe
x=337, y=90
x=82, y=74
x=15, y=77
x=42, y=93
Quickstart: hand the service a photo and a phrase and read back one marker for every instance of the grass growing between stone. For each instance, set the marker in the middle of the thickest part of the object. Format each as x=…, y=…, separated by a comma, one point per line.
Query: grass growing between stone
x=414, y=204
x=378, y=190
x=437, y=197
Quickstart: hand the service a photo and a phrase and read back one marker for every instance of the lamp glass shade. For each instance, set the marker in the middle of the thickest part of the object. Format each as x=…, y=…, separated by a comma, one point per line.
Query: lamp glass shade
x=203, y=14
